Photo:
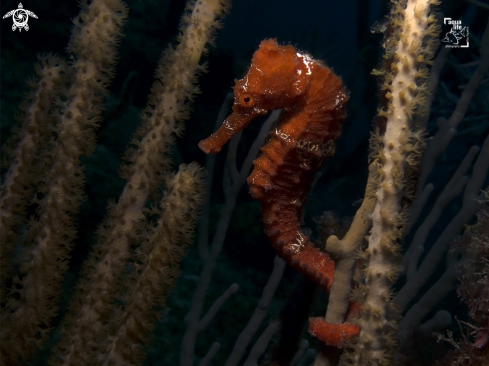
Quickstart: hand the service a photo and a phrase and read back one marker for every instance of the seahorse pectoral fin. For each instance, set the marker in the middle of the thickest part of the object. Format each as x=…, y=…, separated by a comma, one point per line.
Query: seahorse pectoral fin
x=231, y=125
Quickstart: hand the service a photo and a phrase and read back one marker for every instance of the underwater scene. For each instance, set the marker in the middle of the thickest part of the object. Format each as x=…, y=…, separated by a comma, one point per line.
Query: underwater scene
x=228, y=182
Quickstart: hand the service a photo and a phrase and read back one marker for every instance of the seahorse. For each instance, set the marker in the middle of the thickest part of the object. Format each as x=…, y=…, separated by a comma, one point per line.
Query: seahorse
x=314, y=103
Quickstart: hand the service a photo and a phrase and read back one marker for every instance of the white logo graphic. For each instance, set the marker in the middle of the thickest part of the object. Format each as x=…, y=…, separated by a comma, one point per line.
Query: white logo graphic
x=20, y=17
x=458, y=36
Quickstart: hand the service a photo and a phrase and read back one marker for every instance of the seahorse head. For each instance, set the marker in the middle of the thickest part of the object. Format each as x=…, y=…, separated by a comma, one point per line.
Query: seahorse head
x=273, y=80
x=276, y=78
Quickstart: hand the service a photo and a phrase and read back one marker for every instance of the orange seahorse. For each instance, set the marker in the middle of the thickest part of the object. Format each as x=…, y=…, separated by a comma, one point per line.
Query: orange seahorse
x=314, y=101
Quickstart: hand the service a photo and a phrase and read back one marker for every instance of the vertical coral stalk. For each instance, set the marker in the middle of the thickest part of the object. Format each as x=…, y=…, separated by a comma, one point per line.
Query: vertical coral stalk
x=160, y=257
x=410, y=46
x=148, y=161
x=25, y=164
x=94, y=35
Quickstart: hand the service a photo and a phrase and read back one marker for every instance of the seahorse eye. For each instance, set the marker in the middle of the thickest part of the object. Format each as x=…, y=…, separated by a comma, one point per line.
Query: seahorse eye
x=246, y=100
